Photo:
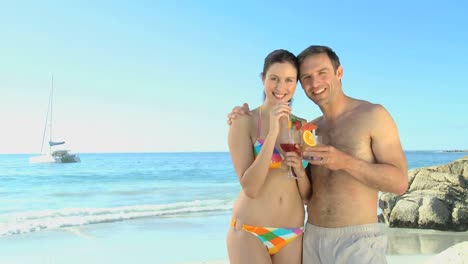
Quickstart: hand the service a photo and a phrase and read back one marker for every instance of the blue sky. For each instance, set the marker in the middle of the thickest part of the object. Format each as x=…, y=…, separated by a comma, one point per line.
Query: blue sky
x=161, y=76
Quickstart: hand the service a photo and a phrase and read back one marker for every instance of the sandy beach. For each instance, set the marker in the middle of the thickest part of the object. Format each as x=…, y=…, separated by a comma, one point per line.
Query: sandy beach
x=390, y=259
x=191, y=240
x=405, y=245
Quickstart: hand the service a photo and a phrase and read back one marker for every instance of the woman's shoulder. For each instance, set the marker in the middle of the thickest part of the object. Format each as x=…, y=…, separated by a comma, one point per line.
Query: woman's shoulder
x=245, y=120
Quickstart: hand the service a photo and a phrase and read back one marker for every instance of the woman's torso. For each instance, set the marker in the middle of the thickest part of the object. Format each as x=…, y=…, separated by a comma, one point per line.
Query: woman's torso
x=278, y=203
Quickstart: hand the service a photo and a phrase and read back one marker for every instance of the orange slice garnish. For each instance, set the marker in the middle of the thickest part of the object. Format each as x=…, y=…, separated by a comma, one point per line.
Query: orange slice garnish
x=309, y=138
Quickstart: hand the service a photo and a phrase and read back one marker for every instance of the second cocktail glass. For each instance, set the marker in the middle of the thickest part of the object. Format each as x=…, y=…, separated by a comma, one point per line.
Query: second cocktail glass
x=310, y=139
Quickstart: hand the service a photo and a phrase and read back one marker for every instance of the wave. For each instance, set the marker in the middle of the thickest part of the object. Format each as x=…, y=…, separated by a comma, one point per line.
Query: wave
x=25, y=222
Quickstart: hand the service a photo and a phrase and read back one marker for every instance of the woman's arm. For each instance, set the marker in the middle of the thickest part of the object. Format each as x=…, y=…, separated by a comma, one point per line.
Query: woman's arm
x=251, y=172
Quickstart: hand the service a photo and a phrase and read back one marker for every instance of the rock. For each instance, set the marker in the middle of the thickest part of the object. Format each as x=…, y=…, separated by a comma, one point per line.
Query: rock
x=457, y=254
x=433, y=214
x=411, y=175
x=380, y=218
x=404, y=214
x=386, y=202
x=460, y=218
x=437, y=198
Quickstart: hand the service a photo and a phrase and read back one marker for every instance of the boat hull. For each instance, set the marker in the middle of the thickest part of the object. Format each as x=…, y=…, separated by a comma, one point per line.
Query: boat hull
x=70, y=158
x=56, y=157
x=42, y=159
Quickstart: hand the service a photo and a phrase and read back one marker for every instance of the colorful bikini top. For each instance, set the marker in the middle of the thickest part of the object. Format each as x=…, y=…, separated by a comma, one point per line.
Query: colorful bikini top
x=276, y=158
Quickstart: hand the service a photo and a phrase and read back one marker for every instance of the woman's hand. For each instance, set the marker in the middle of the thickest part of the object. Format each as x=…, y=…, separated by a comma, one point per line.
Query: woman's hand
x=294, y=159
x=277, y=112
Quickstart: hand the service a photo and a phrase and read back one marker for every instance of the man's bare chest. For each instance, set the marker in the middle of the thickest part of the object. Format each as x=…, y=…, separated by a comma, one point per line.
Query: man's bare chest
x=350, y=136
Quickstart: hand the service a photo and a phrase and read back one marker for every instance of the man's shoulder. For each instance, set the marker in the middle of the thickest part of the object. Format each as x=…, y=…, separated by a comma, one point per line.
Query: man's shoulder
x=370, y=108
x=377, y=109
x=317, y=120
x=374, y=114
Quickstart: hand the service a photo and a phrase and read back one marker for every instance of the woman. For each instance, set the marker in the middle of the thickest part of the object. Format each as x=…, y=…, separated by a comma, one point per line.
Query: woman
x=268, y=216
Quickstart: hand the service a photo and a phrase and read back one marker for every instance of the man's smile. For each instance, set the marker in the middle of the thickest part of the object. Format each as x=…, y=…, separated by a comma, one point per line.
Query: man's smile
x=319, y=91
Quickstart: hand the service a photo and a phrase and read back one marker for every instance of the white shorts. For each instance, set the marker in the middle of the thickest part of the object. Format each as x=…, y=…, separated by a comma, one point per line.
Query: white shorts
x=352, y=244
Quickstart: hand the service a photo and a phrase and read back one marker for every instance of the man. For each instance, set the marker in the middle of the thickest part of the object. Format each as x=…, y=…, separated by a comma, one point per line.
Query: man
x=360, y=156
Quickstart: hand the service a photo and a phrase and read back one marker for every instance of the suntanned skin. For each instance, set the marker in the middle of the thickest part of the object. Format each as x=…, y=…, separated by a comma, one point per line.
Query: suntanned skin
x=272, y=200
x=361, y=154
x=275, y=203
x=268, y=198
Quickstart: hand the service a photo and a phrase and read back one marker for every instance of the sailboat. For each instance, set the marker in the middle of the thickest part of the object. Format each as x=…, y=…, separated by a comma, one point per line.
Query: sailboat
x=55, y=155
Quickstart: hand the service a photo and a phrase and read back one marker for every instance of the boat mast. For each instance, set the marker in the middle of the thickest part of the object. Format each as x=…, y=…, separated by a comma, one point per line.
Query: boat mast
x=51, y=106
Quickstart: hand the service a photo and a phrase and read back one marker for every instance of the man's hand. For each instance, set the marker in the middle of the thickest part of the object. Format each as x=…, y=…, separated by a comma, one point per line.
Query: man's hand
x=238, y=111
x=326, y=156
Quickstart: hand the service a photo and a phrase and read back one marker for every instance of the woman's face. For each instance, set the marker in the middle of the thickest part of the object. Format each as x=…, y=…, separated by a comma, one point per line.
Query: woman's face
x=280, y=82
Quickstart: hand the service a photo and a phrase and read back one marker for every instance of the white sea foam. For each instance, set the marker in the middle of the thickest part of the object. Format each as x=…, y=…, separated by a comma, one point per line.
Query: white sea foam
x=24, y=222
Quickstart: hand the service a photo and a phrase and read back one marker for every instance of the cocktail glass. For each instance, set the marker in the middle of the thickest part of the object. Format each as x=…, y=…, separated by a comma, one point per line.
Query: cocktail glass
x=310, y=140
x=289, y=138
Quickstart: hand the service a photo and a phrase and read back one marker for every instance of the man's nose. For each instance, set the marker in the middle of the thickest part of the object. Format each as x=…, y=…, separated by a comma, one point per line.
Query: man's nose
x=314, y=82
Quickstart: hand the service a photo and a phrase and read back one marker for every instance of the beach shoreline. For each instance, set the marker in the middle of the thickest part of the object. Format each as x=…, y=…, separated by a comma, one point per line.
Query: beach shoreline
x=201, y=238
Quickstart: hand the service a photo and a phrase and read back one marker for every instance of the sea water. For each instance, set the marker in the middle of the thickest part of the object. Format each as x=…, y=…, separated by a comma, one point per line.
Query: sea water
x=180, y=197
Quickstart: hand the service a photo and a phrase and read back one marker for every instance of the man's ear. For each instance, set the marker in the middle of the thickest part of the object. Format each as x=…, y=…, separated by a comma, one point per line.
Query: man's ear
x=339, y=72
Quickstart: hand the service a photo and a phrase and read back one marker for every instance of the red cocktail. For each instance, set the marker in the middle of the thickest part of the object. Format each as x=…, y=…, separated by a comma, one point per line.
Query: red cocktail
x=289, y=147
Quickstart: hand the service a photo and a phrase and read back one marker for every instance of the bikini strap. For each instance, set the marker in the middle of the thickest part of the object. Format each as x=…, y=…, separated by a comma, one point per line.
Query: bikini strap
x=259, y=122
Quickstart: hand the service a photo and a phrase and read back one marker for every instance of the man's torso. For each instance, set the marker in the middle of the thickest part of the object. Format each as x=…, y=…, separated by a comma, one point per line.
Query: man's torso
x=338, y=199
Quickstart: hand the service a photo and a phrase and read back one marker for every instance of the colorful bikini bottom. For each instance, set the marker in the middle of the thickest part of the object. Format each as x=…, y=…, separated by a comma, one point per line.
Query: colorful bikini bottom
x=274, y=238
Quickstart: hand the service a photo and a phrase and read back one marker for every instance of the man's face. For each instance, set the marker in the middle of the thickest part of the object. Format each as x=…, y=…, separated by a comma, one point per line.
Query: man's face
x=319, y=80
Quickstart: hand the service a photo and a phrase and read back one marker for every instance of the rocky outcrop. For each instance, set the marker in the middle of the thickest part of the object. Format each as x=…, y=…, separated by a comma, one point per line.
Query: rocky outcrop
x=457, y=254
x=437, y=198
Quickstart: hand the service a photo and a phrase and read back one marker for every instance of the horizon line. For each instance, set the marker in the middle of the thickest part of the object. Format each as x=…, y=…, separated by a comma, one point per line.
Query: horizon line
x=205, y=151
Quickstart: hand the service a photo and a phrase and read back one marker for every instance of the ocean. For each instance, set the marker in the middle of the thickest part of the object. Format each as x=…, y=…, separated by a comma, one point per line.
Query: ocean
x=177, y=197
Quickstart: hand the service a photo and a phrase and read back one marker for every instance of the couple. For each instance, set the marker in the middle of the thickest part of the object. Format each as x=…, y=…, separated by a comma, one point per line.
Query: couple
x=361, y=156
